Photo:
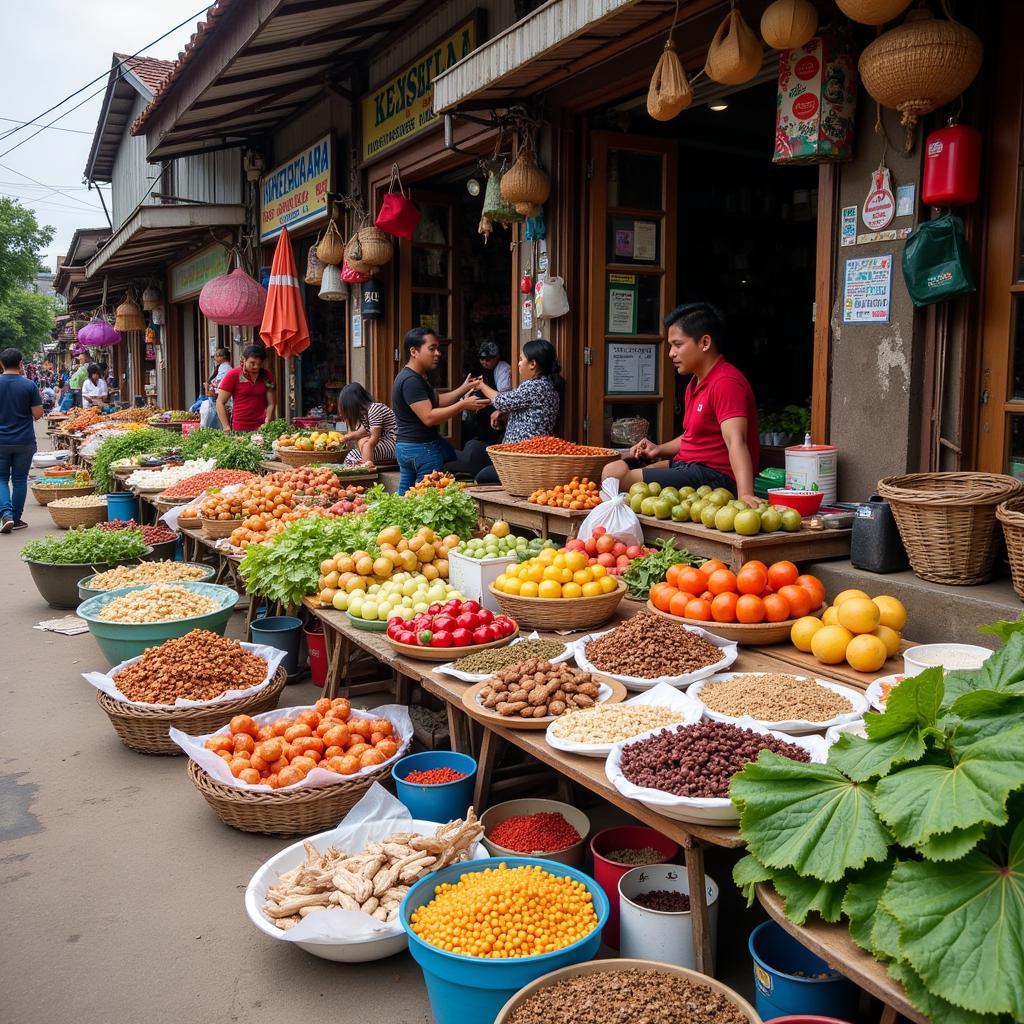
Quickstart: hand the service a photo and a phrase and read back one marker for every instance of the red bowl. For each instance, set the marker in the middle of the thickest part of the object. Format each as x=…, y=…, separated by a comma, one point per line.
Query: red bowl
x=805, y=502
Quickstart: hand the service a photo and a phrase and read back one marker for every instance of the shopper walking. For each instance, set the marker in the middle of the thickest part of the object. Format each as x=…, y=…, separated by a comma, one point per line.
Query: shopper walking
x=20, y=406
x=251, y=389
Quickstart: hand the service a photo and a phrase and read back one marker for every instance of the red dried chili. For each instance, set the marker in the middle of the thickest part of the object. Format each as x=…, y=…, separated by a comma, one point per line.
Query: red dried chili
x=435, y=776
x=546, y=832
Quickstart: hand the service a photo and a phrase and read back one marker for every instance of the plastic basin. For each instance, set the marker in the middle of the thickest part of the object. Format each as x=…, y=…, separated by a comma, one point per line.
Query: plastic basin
x=163, y=552
x=442, y=802
x=283, y=632
x=120, y=641
x=471, y=990
x=85, y=591
x=122, y=505
x=58, y=584
x=571, y=855
x=805, y=502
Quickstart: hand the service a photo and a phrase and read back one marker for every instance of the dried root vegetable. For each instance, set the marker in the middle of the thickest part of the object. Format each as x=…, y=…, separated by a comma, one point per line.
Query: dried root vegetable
x=374, y=881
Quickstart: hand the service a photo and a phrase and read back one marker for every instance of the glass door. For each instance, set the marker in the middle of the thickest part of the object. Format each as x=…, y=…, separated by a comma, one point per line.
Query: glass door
x=630, y=382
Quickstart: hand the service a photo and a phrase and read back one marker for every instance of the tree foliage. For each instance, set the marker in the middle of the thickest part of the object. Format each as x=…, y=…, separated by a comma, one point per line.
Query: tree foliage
x=21, y=241
x=26, y=320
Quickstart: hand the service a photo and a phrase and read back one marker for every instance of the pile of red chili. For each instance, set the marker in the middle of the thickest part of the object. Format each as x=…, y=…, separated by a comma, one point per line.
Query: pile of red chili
x=434, y=776
x=546, y=832
x=547, y=445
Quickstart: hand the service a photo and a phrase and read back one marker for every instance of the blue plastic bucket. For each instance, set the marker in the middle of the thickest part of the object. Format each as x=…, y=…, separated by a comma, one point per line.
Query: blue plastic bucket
x=283, y=632
x=122, y=505
x=442, y=802
x=472, y=990
x=780, y=991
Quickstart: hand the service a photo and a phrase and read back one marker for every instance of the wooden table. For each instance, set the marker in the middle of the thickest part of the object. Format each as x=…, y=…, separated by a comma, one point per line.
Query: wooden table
x=833, y=944
x=496, y=503
x=841, y=673
x=273, y=466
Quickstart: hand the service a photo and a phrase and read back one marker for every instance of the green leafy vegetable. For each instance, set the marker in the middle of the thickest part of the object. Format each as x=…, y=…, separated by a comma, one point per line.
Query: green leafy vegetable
x=913, y=704
x=644, y=572
x=863, y=759
x=1005, y=628
x=860, y=904
x=86, y=546
x=231, y=451
x=451, y=511
x=148, y=441
x=271, y=431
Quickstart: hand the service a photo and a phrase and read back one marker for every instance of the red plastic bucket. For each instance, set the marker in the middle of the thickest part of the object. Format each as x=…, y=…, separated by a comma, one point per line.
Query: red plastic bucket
x=608, y=872
x=316, y=645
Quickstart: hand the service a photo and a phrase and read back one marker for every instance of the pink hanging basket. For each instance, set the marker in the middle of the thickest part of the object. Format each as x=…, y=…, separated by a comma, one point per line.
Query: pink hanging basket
x=98, y=333
x=233, y=300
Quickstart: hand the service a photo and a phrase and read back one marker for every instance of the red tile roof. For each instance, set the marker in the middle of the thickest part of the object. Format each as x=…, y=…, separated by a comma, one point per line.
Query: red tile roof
x=150, y=71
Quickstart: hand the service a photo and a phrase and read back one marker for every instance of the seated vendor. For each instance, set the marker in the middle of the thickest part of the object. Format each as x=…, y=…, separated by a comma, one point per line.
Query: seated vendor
x=719, y=443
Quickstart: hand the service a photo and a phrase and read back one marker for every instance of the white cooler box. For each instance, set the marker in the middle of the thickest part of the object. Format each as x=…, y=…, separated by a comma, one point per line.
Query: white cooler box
x=473, y=576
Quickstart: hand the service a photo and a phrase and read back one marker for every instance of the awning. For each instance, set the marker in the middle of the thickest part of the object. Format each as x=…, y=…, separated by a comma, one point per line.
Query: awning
x=155, y=234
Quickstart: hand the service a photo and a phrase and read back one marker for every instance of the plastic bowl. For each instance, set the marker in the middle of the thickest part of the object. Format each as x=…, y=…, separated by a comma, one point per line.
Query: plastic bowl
x=951, y=658
x=58, y=583
x=85, y=591
x=441, y=802
x=805, y=502
x=341, y=952
x=120, y=641
x=466, y=989
x=572, y=855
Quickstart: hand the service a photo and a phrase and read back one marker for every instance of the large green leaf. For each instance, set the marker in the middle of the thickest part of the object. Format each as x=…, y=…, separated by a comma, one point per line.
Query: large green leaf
x=801, y=895
x=951, y=845
x=983, y=713
x=935, y=1007
x=933, y=799
x=747, y=872
x=914, y=703
x=1003, y=671
x=1005, y=628
x=962, y=927
x=863, y=759
x=885, y=935
x=860, y=903
x=808, y=817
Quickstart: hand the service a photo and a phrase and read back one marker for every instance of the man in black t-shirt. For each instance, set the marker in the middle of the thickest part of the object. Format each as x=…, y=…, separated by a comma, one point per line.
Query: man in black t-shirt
x=419, y=410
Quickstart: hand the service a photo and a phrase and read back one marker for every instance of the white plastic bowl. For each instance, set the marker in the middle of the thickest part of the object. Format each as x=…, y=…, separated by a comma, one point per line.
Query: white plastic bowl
x=950, y=657
x=341, y=952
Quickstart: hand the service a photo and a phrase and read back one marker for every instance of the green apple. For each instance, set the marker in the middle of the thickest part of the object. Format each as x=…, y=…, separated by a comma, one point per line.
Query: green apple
x=791, y=521
x=636, y=501
x=662, y=508
x=725, y=517
x=639, y=488
x=704, y=490
x=707, y=515
x=681, y=512
x=696, y=510
x=686, y=493
x=341, y=600
x=647, y=505
x=748, y=522
x=771, y=520
x=723, y=494
x=654, y=489
x=672, y=494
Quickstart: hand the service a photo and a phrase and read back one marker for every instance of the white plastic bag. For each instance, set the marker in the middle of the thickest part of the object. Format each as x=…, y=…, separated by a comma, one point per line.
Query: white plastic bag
x=614, y=515
x=550, y=299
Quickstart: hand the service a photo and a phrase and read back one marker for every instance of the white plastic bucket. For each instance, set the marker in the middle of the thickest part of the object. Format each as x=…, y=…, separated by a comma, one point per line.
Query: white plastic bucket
x=664, y=936
x=472, y=577
x=813, y=468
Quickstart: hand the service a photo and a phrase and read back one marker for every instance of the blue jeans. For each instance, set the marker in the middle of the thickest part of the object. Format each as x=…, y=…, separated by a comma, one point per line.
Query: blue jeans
x=15, y=462
x=416, y=460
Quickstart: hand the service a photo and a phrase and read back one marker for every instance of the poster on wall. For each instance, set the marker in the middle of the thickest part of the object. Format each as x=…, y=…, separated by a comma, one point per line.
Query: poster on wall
x=631, y=369
x=357, y=329
x=622, y=290
x=296, y=192
x=867, y=290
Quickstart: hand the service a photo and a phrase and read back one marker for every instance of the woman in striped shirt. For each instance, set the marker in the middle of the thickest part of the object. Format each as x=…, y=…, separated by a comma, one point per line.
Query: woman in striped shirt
x=373, y=428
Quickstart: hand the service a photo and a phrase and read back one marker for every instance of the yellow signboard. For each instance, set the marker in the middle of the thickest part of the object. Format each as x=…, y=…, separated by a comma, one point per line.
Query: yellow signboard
x=296, y=192
x=189, y=276
x=402, y=106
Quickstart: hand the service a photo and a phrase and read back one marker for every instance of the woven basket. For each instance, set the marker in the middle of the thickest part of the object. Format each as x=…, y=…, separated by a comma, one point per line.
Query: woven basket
x=218, y=528
x=1011, y=515
x=189, y=524
x=354, y=257
x=68, y=518
x=872, y=12
x=295, y=457
x=145, y=729
x=44, y=495
x=331, y=248
x=521, y=474
x=166, y=504
x=299, y=812
x=948, y=522
x=376, y=246
x=572, y=613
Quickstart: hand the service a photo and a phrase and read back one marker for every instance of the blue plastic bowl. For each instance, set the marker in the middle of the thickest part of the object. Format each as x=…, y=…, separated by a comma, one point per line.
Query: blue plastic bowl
x=472, y=990
x=442, y=802
x=120, y=641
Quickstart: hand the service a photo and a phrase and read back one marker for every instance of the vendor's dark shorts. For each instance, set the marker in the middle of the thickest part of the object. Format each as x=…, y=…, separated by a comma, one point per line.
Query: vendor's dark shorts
x=689, y=474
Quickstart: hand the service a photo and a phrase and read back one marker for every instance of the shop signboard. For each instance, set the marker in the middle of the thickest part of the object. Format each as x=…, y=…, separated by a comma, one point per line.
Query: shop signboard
x=295, y=192
x=867, y=290
x=403, y=106
x=189, y=276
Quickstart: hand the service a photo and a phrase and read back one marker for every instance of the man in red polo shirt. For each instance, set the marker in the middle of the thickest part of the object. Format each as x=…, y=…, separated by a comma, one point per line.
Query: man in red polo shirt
x=719, y=443
x=251, y=389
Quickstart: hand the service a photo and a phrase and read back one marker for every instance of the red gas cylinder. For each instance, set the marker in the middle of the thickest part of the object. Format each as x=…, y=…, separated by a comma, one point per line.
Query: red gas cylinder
x=952, y=166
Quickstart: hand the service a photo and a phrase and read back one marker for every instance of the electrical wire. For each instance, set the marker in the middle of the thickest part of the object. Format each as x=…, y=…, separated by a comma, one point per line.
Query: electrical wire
x=59, y=117
x=24, y=124
x=53, y=188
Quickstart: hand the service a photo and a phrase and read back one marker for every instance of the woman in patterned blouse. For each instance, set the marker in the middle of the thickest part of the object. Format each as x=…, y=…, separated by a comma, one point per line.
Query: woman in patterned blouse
x=373, y=428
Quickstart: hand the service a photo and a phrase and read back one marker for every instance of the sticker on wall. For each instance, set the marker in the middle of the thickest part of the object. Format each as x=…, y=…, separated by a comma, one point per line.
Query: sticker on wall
x=880, y=204
x=848, y=232
x=542, y=257
x=526, y=317
x=867, y=290
x=905, y=196
x=357, y=328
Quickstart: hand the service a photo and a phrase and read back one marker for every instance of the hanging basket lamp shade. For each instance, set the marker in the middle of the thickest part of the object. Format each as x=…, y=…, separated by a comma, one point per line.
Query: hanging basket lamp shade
x=151, y=298
x=128, y=316
x=872, y=12
x=920, y=65
x=669, y=92
x=787, y=24
x=233, y=300
x=98, y=333
x=332, y=288
x=525, y=185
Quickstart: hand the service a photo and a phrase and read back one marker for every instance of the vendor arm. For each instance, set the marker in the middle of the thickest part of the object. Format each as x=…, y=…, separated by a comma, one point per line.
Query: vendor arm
x=449, y=398
x=222, y=409
x=270, y=405
x=650, y=451
x=734, y=432
x=432, y=417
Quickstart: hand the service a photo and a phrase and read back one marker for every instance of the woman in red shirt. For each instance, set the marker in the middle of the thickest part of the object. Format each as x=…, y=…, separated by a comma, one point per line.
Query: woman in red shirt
x=719, y=443
x=251, y=389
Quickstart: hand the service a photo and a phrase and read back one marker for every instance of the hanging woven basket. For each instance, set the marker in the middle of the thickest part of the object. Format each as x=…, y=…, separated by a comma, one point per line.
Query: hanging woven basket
x=314, y=266
x=787, y=24
x=872, y=12
x=525, y=185
x=233, y=300
x=353, y=256
x=920, y=65
x=669, y=92
x=332, y=288
x=97, y=333
x=735, y=55
x=496, y=209
x=128, y=316
x=331, y=249
x=151, y=298
x=376, y=246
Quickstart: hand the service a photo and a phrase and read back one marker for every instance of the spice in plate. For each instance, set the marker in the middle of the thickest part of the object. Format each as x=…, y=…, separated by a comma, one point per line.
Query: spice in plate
x=608, y=724
x=699, y=760
x=496, y=659
x=627, y=997
x=774, y=697
x=641, y=855
x=666, y=900
x=545, y=832
x=506, y=913
x=434, y=776
x=648, y=647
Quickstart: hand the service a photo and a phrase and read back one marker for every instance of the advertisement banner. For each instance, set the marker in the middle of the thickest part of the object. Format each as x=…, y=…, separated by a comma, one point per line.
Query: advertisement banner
x=296, y=192
x=189, y=276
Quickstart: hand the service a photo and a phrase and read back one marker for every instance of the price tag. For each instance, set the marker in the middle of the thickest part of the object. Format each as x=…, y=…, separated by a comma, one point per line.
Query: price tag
x=880, y=204
x=526, y=320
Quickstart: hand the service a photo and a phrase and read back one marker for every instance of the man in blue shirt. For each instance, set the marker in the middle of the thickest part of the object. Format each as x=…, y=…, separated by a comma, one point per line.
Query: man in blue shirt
x=20, y=406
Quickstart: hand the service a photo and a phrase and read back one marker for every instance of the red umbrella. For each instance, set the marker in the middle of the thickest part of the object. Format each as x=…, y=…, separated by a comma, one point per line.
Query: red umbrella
x=284, y=326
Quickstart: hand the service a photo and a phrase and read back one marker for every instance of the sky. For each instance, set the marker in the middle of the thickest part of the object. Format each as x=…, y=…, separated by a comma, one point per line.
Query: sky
x=60, y=45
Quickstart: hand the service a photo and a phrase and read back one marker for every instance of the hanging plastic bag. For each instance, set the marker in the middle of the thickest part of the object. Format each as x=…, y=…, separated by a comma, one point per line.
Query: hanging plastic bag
x=614, y=515
x=398, y=215
x=936, y=263
x=550, y=299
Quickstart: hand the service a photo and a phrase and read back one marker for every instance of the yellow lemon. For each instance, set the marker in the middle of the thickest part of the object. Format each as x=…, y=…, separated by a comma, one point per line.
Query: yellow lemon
x=830, y=616
x=572, y=590
x=576, y=560
x=890, y=638
x=536, y=573
x=607, y=584
x=891, y=612
x=549, y=588
x=552, y=572
x=865, y=653
x=803, y=632
x=592, y=589
x=513, y=585
x=528, y=589
x=597, y=571
x=559, y=560
x=547, y=555
x=499, y=583
x=582, y=576
x=847, y=594
x=829, y=644
x=858, y=614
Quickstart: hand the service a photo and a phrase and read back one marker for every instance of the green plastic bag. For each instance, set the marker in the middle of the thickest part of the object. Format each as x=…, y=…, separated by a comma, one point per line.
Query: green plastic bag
x=936, y=263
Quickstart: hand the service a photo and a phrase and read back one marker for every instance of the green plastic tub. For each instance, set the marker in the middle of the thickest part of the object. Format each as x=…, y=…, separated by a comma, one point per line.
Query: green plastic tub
x=85, y=590
x=120, y=641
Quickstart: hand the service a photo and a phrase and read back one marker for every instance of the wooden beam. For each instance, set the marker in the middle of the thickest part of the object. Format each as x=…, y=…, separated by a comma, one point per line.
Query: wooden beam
x=828, y=201
x=248, y=76
x=359, y=29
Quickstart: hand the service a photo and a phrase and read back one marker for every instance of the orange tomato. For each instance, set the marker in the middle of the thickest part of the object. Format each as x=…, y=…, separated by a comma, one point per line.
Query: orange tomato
x=306, y=743
x=722, y=581
x=341, y=706
x=266, y=732
x=243, y=743
x=281, y=762
x=323, y=705
x=219, y=743
x=782, y=574
x=333, y=764
x=310, y=718
x=814, y=587
x=672, y=574
x=349, y=765
x=227, y=755
x=304, y=764
x=258, y=763
x=281, y=726
x=333, y=752
x=723, y=607
x=388, y=748
x=337, y=735
x=698, y=609
x=297, y=731
x=751, y=579
x=383, y=726
x=799, y=600
x=243, y=723
x=358, y=749
x=712, y=565
x=238, y=765
x=776, y=608
x=706, y=596
x=325, y=726
x=313, y=755
x=271, y=750
x=288, y=776
x=272, y=781
x=755, y=563
x=361, y=727
x=371, y=757
x=250, y=775
x=680, y=599
x=661, y=596
x=750, y=608
x=692, y=581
